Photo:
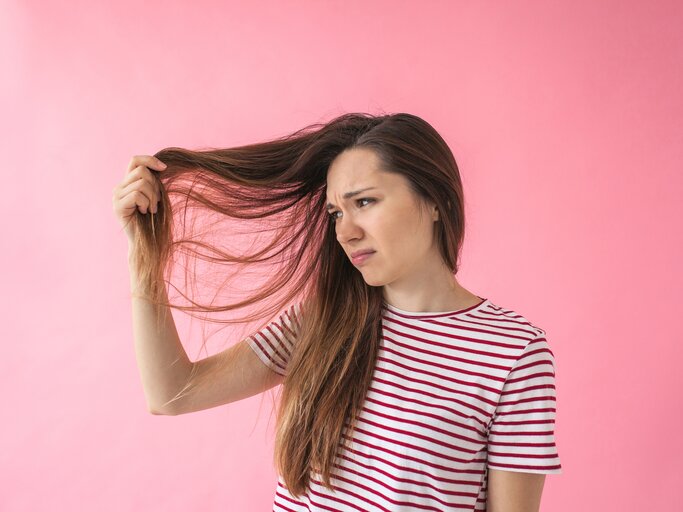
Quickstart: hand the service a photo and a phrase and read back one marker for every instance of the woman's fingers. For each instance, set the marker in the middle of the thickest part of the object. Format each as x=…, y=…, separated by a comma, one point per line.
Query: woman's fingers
x=146, y=160
x=139, y=189
x=139, y=172
x=149, y=191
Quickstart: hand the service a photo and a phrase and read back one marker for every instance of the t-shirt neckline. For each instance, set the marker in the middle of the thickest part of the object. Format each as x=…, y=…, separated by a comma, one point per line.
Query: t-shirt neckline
x=422, y=314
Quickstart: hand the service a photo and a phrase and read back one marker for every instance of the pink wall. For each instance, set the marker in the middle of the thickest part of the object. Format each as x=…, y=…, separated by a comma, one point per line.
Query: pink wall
x=565, y=119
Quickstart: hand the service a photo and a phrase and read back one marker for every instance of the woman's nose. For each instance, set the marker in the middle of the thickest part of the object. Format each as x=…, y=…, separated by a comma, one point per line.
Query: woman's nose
x=347, y=229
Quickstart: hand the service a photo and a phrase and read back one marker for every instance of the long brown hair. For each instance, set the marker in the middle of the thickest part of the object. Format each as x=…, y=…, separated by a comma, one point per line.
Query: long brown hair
x=284, y=180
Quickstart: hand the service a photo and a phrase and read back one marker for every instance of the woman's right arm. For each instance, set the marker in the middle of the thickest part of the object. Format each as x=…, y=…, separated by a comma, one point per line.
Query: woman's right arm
x=165, y=367
x=162, y=361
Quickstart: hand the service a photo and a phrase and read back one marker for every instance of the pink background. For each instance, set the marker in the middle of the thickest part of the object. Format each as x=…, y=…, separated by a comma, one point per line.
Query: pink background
x=564, y=117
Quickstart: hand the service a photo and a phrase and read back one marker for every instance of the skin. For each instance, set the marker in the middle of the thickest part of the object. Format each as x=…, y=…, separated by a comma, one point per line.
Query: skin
x=410, y=270
x=510, y=491
x=407, y=263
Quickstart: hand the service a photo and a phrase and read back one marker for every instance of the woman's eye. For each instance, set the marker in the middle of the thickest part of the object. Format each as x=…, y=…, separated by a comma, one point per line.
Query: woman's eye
x=333, y=214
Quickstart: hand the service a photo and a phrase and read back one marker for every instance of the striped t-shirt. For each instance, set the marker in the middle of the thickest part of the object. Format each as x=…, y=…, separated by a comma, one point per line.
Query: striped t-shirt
x=452, y=394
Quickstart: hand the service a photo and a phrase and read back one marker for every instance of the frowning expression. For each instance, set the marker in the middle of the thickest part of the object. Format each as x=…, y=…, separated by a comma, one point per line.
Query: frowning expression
x=377, y=210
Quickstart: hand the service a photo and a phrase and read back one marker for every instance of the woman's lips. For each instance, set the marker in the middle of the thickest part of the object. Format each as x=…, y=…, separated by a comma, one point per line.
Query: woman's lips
x=360, y=259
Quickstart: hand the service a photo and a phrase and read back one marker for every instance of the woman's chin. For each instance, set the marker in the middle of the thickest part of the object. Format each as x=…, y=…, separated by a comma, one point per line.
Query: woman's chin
x=371, y=280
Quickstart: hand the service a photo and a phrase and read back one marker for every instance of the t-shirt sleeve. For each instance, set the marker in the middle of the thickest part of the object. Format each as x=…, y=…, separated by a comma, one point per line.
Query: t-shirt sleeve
x=273, y=344
x=522, y=432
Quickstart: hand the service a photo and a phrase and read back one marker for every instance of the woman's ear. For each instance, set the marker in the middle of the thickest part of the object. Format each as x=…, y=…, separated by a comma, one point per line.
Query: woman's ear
x=435, y=213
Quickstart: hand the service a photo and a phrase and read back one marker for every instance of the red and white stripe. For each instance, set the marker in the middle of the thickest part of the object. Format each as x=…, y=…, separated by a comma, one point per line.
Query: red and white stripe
x=452, y=394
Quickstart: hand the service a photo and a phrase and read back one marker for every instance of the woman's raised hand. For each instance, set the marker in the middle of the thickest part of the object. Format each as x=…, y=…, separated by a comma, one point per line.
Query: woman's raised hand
x=139, y=189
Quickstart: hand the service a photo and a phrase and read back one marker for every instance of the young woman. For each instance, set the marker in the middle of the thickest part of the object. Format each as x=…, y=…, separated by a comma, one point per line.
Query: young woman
x=401, y=389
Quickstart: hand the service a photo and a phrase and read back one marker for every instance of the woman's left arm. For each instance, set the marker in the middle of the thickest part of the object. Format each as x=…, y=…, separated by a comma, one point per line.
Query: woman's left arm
x=512, y=491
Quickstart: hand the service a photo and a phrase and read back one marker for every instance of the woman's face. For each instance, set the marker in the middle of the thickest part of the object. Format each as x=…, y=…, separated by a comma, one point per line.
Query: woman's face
x=384, y=218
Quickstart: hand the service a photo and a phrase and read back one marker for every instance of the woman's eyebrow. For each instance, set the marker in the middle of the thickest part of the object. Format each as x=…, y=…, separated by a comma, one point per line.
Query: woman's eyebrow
x=350, y=194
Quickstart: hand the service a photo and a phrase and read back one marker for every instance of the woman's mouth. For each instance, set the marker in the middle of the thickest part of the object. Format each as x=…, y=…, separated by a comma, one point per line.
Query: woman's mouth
x=358, y=260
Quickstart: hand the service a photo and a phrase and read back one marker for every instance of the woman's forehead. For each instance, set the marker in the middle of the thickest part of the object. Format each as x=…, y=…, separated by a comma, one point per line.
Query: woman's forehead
x=384, y=183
